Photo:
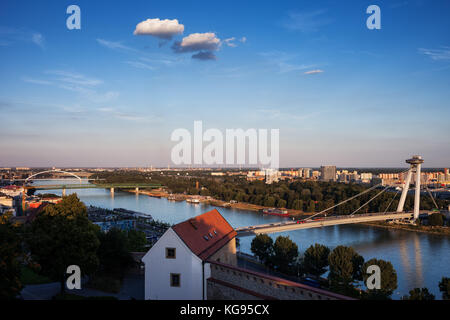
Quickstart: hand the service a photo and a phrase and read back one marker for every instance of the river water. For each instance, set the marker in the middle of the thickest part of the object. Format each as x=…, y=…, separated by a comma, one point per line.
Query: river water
x=420, y=259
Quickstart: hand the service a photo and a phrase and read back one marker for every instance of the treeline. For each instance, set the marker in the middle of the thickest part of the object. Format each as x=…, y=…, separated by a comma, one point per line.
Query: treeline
x=346, y=270
x=307, y=196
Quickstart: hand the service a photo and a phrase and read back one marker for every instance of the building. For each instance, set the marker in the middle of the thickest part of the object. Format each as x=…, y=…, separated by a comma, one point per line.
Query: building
x=328, y=173
x=176, y=267
x=272, y=176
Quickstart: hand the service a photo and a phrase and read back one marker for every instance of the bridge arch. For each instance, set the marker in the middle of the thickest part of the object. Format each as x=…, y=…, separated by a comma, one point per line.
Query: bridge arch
x=36, y=174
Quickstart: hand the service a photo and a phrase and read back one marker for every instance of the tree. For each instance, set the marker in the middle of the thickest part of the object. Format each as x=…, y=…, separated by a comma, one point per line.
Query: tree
x=62, y=235
x=10, y=251
x=136, y=241
x=262, y=247
x=345, y=266
x=113, y=252
x=388, y=279
x=269, y=201
x=444, y=287
x=419, y=294
x=436, y=219
x=315, y=260
x=281, y=203
x=285, y=253
x=311, y=207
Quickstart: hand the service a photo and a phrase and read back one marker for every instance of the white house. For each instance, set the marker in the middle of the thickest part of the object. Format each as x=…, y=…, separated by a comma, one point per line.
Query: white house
x=176, y=267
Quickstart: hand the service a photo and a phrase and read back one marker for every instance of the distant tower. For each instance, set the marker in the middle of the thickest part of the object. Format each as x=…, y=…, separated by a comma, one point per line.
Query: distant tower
x=416, y=165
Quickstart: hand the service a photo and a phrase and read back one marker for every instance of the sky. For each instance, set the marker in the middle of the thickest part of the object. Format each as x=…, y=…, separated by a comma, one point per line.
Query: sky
x=112, y=92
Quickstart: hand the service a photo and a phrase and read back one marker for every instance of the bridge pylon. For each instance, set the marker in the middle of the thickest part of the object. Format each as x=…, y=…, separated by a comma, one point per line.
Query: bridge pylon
x=415, y=167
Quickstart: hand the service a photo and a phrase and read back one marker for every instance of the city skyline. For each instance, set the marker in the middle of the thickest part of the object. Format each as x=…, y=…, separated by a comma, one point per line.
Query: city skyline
x=111, y=94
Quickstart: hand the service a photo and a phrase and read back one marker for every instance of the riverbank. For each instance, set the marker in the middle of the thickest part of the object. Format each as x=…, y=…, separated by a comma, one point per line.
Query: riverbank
x=214, y=202
x=410, y=227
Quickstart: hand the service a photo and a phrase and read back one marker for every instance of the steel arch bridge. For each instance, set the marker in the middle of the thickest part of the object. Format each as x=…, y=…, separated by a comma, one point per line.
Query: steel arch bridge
x=47, y=171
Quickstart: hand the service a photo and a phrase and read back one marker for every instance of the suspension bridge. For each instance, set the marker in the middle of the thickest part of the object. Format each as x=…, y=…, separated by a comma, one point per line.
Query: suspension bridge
x=321, y=219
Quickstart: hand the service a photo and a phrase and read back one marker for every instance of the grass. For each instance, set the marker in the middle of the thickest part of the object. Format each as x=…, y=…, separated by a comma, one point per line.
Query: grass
x=28, y=276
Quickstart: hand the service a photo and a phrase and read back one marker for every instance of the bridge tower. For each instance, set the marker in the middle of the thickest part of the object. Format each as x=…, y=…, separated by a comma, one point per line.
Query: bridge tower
x=415, y=167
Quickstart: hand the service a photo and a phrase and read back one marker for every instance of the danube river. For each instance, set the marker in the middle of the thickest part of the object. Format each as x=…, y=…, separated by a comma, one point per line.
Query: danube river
x=420, y=259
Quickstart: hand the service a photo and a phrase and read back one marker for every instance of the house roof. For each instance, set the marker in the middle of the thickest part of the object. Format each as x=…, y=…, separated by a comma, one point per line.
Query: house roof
x=205, y=234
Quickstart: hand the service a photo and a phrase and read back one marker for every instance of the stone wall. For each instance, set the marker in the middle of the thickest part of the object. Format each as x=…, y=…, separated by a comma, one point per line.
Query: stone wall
x=229, y=282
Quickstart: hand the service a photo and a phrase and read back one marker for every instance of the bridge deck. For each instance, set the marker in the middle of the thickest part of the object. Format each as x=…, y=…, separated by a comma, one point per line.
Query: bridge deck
x=94, y=186
x=322, y=222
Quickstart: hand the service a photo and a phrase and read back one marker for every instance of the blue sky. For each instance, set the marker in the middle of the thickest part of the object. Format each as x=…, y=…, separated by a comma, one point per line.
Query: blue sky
x=339, y=93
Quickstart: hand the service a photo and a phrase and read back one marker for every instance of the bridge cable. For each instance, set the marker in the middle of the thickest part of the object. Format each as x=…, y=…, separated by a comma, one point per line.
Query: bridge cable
x=382, y=191
x=432, y=198
x=349, y=199
x=387, y=208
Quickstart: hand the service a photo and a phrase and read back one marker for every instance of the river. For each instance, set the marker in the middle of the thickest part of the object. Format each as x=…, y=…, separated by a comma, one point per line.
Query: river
x=420, y=259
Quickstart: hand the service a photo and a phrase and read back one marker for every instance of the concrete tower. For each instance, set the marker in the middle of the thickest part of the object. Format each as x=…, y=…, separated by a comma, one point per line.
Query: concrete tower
x=416, y=165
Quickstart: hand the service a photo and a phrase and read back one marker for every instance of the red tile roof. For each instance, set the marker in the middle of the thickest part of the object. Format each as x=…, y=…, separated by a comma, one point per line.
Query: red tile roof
x=205, y=234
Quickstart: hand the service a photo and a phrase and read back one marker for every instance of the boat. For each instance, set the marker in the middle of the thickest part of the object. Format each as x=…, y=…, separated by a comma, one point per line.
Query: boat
x=192, y=200
x=276, y=212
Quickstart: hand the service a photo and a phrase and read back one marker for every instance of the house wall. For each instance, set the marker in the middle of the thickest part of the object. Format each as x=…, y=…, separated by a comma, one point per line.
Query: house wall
x=226, y=254
x=158, y=269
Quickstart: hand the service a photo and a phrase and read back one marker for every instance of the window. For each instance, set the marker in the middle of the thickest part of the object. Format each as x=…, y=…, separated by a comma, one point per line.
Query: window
x=174, y=279
x=170, y=253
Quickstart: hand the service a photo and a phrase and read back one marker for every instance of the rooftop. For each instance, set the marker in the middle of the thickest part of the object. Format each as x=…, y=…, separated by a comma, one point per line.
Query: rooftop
x=205, y=234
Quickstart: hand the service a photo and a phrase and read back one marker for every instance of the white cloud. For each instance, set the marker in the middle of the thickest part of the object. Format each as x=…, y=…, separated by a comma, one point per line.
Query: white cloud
x=75, y=78
x=140, y=65
x=38, y=39
x=198, y=42
x=243, y=39
x=283, y=61
x=436, y=54
x=313, y=71
x=37, y=81
x=163, y=29
x=76, y=82
x=115, y=45
x=229, y=42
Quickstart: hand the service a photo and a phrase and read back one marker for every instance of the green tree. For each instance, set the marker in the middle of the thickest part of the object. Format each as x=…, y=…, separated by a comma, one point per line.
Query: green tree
x=269, y=201
x=285, y=253
x=419, y=294
x=262, y=247
x=444, y=287
x=315, y=260
x=436, y=219
x=311, y=206
x=62, y=236
x=113, y=252
x=281, y=203
x=136, y=241
x=10, y=252
x=388, y=279
x=345, y=266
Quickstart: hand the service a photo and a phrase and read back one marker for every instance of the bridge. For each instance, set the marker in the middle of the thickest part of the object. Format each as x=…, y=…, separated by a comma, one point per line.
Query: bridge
x=320, y=222
x=95, y=186
x=321, y=219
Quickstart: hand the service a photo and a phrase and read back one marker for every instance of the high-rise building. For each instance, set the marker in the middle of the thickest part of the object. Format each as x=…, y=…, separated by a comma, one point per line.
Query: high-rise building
x=328, y=173
x=306, y=173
